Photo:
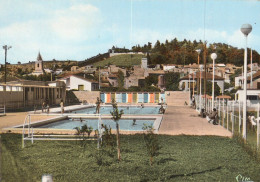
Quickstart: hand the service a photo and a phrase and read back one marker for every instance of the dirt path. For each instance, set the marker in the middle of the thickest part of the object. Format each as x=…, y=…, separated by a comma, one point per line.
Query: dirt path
x=183, y=120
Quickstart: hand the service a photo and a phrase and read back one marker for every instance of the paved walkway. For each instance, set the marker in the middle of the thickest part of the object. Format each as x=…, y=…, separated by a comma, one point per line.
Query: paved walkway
x=17, y=118
x=184, y=120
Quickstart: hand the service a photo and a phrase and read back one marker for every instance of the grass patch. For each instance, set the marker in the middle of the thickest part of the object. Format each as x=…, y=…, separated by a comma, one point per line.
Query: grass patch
x=181, y=158
x=121, y=60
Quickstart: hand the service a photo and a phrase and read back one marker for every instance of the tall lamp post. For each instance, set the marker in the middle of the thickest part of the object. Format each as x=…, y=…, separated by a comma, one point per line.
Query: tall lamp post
x=198, y=51
x=193, y=84
x=251, y=81
x=213, y=57
x=5, y=47
x=189, y=89
x=245, y=29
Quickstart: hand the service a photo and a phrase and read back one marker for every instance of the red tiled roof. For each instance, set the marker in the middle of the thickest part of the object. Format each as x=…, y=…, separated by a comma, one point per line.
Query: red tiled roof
x=112, y=76
x=257, y=74
x=89, y=80
x=207, y=96
x=223, y=97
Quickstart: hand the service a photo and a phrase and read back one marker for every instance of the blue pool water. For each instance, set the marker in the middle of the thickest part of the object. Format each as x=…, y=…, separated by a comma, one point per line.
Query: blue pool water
x=124, y=124
x=137, y=110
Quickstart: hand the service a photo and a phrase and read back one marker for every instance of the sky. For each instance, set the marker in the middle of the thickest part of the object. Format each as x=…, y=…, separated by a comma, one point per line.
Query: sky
x=80, y=29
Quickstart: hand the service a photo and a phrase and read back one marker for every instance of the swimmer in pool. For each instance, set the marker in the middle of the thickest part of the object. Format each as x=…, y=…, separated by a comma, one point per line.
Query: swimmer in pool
x=134, y=122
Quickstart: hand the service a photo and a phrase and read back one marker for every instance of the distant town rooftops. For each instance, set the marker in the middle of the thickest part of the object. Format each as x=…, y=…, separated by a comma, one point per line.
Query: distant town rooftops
x=197, y=75
x=78, y=76
x=221, y=65
x=255, y=75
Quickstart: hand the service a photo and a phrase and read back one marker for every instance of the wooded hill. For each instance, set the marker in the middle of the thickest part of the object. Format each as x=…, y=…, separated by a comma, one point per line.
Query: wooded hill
x=184, y=52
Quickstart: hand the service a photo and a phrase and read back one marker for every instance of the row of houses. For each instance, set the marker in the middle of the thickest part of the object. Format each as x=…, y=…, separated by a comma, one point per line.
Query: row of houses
x=29, y=93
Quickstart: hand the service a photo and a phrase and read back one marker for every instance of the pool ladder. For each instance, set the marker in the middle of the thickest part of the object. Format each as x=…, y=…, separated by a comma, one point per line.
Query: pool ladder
x=29, y=135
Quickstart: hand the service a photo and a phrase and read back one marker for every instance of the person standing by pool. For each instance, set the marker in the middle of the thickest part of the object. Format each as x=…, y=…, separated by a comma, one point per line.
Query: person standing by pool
x=48, y=108
x=161, y=110
x=62, y=106
x=98, y=105
x=161, y=100
x=43, y=106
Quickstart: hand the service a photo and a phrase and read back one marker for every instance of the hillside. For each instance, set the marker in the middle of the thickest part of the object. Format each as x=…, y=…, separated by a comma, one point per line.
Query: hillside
x=26, y=68
x=121, y=60
x=184, y=52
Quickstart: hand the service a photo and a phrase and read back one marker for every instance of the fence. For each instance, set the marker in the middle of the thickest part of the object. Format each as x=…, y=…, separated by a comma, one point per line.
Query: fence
x=230, y=116
x=2, y=111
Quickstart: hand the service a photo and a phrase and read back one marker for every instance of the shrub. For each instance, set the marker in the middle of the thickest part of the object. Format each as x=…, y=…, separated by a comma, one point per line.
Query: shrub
x=151, y=142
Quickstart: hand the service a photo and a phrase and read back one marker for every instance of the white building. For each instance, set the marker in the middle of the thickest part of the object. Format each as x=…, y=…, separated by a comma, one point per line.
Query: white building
x=255, y=66
x=74, y=82
x=239, y=79
x=168, y=67
x=58, y=71
x=184, y=81
x=144, y=63
x=253, y=96
x=47, y=70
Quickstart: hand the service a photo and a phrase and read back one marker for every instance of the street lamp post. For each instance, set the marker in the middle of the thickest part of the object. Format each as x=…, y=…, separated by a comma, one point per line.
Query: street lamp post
x=213, y=57
x=198, y=51
x=5, y=47
x=251, y=68
x=189, y=89
x=245, y=29
x=193, y=84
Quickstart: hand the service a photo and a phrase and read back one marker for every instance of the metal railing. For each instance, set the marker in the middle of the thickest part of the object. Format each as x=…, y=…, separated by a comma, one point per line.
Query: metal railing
x=28, y=130
x=230, y=117
x=2, y=110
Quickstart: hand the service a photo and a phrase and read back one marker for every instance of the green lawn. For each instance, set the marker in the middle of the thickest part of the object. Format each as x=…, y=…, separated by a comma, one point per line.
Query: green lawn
x=121, y=60
x=182, y=158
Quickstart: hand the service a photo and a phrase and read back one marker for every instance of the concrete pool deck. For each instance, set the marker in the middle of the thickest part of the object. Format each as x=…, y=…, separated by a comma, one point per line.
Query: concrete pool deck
x=177, y=120
x=183, y=120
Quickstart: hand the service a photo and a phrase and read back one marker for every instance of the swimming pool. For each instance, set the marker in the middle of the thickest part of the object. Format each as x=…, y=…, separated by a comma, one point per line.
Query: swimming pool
x=133, y=110
x=124, y=124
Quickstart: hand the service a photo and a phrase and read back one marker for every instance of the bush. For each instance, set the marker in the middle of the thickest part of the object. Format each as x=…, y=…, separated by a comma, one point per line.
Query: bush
x=151, y=142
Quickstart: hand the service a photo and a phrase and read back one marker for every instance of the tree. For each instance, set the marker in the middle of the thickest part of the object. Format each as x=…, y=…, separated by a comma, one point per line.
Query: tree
x=116, y=115
x=232, y=77
x=172, y=81
x=121, y=79
x=149, y=62
x=158, y=58
x=151, y=142
x=209, y=88
x=151, y=80
x=89, y=131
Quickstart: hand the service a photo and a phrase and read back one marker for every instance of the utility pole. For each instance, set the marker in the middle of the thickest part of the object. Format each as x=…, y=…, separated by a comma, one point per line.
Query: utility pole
x=199, y=85
x=99, y=78
x=205, y=69
x=251, y=81
x=5, y=47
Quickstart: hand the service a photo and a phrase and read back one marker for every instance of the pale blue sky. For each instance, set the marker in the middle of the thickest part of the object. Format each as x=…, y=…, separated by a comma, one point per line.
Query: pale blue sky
x=79, y=29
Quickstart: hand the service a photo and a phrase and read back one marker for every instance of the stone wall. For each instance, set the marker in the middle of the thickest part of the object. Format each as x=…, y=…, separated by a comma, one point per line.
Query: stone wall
x=177, y=98
x=89, y=96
